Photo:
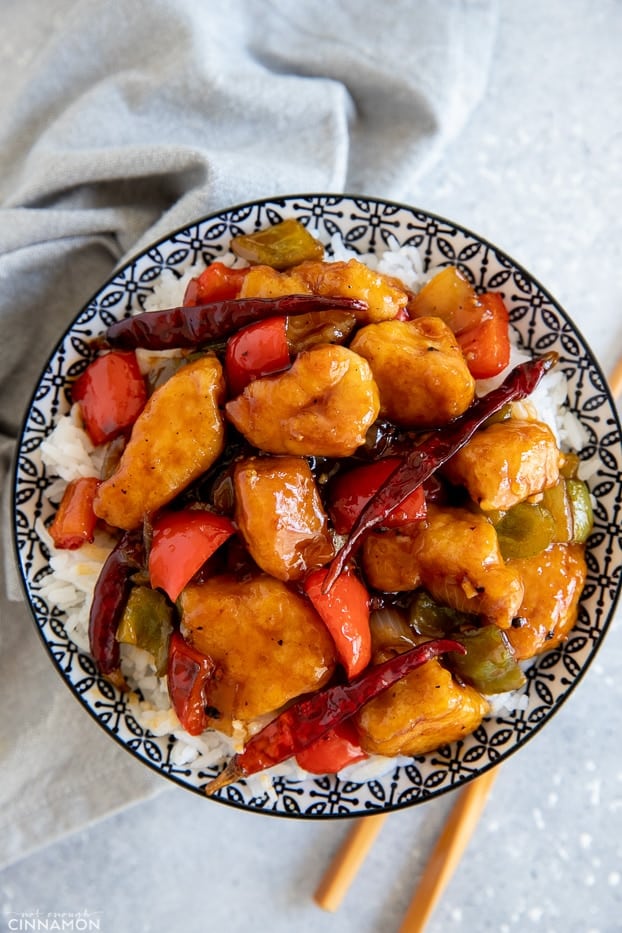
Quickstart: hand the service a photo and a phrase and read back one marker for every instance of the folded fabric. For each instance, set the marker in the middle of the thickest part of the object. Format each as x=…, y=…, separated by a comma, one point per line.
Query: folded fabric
x=124, y=121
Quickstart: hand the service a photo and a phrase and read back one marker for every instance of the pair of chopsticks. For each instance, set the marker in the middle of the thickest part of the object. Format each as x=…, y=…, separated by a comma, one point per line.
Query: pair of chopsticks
x=451, y=843
x=441, y=865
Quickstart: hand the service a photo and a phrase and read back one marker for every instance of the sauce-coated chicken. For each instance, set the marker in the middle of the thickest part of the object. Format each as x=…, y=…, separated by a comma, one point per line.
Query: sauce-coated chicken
x=422, y=711
x=506, y=463
x=322, y=406
x=455, y=555
x=384, y=295
x=178, y=436
x=553, y=583
x=268, y=644
x=266, y=282
x=422, y=376
x=280, y=515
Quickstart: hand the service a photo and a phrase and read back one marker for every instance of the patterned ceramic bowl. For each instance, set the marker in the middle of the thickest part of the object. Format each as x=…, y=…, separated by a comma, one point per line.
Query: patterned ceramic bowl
x=367, y=226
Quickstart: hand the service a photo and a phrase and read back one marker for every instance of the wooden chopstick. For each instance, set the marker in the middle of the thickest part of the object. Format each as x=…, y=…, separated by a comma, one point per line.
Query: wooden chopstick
x=615, y=380
x=452, y=842
x=448, y=850
x=342, y=870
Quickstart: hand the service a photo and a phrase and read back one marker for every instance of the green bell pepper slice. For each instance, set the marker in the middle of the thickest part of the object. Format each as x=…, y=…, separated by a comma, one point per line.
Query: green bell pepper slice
x=525, y=530
x=581, y=509
x=282, y=246
x=147, y=623
x=489, y=664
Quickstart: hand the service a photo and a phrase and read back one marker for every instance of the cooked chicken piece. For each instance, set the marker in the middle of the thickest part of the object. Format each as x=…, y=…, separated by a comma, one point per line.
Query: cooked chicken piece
x=506, y=463
x=384, y=295
x=177, y=436
x=422, y=376
x=425, y=709
x=268, y=643
x=390, y=560
x=280, y=515
x=266, y=282
x=553, y=582
x=455, y=555
x=321, y=407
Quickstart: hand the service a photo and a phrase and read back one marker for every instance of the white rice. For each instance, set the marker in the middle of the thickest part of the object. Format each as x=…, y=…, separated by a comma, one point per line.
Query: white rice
x=68, y=453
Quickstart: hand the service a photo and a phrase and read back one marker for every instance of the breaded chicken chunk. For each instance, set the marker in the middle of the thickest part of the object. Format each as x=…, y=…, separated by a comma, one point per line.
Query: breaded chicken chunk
x=320, y=407
x=425, y=709
x=280, y=516
x=506, y=463
x=268, y=643
x=384, y=295
x=553, y=582
x=422, y=376
x=455, y=555
x=177, y=436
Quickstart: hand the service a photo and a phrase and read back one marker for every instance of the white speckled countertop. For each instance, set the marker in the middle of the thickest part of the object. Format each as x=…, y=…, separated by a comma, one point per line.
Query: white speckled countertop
x=538, y=170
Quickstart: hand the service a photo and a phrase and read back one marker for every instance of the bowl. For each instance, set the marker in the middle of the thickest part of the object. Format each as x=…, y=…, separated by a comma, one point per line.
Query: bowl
x=364, y=225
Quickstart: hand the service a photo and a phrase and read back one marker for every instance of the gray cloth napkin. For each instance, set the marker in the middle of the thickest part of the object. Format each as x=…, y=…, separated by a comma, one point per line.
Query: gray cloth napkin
x=121, y=122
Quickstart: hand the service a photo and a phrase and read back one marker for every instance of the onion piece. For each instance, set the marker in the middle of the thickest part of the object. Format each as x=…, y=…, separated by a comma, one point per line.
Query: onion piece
x=389, y=629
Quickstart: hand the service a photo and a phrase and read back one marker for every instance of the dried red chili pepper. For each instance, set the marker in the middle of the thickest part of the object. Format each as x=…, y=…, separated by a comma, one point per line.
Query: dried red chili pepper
x=312, y=717
x=424, y=459
x=192, y=326
x=109, y=598
x=188, y=674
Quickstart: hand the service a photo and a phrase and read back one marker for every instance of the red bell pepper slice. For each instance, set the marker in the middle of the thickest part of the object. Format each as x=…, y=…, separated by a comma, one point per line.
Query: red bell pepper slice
x=182, y=542
x=216, y=283
x=188, y=675
x=75, y=521
x=333, y=750
x=258, y=350
x=486, y=344
x=111, y=393
x=480, y=322
x=345, y=613
x=351, y=491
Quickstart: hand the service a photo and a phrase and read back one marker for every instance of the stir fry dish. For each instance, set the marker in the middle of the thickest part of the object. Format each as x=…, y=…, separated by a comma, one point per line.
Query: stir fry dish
x=326, y=534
